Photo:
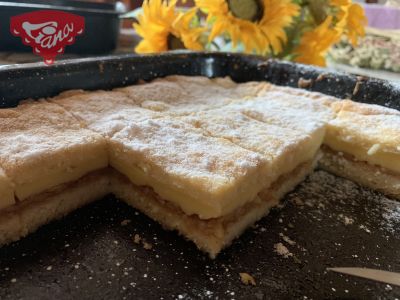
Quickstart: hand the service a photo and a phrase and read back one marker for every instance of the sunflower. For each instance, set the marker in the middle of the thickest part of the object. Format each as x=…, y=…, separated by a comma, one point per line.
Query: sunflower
x=258, y=24
x=315, y=43
x=351, y=19
x=163, y=28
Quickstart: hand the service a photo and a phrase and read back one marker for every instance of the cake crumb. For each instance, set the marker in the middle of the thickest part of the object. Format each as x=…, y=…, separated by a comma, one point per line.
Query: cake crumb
x=137, y=239
x=356, y=88
x=247, y=279
x=388, y=287
x=125, y=222
x=298, y=201
x=147, y=245
x=320, y=77
x=348, y=221
x=282, y=250
x=363, y=227
x=287, y=239
x=374, y=149
x=304, y=83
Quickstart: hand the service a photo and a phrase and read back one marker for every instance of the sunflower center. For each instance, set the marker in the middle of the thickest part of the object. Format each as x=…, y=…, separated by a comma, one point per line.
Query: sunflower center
x=174, y=43
x=250, y=10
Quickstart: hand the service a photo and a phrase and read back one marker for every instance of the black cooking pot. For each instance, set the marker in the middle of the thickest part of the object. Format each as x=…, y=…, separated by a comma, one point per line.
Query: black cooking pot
x=102, y=24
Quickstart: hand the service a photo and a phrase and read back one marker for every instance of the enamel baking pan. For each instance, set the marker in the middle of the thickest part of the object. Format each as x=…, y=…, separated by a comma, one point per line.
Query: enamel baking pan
x=101, y=24
x=325, y=222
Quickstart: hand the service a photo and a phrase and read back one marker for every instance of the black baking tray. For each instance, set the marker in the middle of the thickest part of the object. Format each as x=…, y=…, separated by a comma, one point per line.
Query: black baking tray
x=102, y=24
x=89, y=254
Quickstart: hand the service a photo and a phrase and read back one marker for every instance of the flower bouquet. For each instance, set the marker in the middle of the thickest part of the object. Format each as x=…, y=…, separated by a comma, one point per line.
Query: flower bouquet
x=297, y=30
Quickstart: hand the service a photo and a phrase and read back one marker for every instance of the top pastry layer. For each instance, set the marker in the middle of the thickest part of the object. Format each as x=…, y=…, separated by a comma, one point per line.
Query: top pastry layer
x=281, y=147
x=181, y=95
x=105, y=112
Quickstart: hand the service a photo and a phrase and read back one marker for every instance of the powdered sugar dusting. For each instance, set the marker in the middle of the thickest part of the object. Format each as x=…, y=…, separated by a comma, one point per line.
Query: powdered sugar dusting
x=183, y=150
x=327, y=189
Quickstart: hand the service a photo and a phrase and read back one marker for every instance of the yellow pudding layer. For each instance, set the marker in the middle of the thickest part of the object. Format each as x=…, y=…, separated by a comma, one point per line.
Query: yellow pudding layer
x=368, y=132
x=6, y=191
x=372, y=153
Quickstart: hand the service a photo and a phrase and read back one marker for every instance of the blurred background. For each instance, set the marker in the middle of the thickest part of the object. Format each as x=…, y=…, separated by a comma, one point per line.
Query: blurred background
x=377, y=54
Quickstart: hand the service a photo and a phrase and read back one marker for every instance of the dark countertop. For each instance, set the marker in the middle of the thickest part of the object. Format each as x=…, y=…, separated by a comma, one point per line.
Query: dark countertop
x=326, y=222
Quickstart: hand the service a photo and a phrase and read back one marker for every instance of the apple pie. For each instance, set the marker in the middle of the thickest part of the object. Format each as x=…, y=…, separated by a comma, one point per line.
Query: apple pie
x=205, y=157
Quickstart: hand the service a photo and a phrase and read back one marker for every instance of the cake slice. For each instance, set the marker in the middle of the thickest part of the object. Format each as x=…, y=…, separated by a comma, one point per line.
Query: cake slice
x=44, y=151
x=202, y=175
x=209, y=176
x=363, y=144
x=185, y=179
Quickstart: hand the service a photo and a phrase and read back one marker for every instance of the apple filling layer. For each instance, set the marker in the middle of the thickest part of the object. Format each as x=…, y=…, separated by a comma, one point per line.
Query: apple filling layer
x=26, y=216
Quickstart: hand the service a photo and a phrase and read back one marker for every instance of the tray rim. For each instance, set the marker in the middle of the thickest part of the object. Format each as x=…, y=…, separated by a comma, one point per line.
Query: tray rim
x=256, y=61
